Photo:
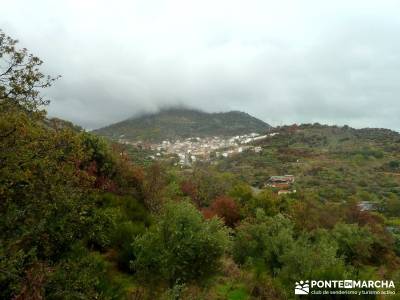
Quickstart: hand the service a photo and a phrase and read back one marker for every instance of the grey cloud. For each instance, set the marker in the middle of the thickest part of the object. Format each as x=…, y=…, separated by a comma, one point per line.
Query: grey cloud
x=287, y=62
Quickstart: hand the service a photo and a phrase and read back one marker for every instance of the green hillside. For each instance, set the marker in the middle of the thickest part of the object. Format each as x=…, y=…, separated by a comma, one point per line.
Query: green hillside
x=334, y=163
x=182, y=123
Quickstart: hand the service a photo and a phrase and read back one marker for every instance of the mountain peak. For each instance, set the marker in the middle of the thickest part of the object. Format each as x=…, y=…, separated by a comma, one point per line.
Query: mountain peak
x=182, y=122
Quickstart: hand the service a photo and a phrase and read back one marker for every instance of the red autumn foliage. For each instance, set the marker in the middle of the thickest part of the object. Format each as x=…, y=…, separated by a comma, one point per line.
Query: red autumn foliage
x=208, y=213
x=105, y=184
x=354, y=214
x=100, y=182
x=310, y=215
x=189, y=189
x=224, y=207
x=91, y=169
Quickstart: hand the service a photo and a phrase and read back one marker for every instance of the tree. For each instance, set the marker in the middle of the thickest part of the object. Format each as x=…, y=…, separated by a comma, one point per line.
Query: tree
x=261, y=242
x=181, y=247
x=392, y=205
x=242, y=193
x=210, y=184
x=394, y=165
x=310, y=213
x=20, y=77
x=189, y=188
x=312, y=257
x=355, y=243
x=154, y=184
x=45, y=206
x=266, y=200
x=226, y=208
x=82, y=275
x=268, y=245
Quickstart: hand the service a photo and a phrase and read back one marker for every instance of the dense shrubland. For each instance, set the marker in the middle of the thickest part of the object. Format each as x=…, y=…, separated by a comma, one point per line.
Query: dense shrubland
x=80, y=220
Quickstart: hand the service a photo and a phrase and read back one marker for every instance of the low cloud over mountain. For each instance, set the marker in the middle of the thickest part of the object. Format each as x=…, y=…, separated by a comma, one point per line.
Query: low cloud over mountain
x=292, y=61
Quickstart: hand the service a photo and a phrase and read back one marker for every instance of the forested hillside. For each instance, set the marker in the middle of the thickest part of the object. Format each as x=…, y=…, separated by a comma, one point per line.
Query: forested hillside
x=334, y=163
x=178, y=123
x=80, y=220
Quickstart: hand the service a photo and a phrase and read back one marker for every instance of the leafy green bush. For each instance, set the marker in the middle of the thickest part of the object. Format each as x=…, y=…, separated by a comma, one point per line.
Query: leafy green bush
x=268, y=246
x=312, y=257
x=355, y=243
x=82, y=275
x=102, y=225
x=122, y=240
x=266, y=200
x=261, y=242
x=180, y=247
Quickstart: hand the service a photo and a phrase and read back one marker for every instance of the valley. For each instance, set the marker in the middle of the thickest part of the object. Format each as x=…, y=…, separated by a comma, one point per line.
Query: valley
x=194, y=149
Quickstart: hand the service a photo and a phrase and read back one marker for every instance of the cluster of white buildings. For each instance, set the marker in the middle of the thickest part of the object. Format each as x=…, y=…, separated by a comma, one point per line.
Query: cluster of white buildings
x=195, y=149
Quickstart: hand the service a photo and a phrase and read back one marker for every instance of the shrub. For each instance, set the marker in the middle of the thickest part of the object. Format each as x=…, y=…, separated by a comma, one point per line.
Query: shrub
x=261, y=242
x=355, y=243
x=122, y=240
x=180, y=247
x=225, y=208
x=312, y=257
x=82, y=275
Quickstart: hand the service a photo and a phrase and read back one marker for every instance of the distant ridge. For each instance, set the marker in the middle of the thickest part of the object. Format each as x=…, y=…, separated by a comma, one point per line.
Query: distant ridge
x=176, y=123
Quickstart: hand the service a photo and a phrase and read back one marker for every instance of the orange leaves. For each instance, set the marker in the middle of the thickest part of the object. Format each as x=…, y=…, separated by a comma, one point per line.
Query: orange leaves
x=189, y=188
x=224, y=207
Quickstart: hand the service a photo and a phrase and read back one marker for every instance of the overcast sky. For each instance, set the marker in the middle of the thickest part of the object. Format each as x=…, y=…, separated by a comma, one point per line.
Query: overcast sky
x=335, y=62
